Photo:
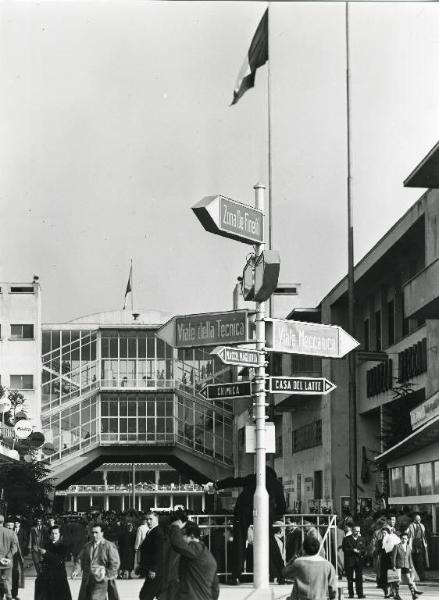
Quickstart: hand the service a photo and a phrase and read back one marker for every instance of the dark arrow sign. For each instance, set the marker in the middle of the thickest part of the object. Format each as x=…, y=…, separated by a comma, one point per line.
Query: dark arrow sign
x=301, y=385
x=219, y=391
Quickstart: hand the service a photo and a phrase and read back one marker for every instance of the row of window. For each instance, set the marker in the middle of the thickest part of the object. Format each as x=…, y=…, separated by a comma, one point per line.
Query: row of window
x=20, y=331
x=21, y=382
x=307, y=436
x=415, y=480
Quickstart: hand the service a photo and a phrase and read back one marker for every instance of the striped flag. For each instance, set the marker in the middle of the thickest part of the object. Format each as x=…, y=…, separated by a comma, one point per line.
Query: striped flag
x=129, y=286
x=256, y=57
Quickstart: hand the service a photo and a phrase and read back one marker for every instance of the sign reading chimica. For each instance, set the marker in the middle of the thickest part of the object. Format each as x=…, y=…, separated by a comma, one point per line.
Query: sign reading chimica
x=206, y=329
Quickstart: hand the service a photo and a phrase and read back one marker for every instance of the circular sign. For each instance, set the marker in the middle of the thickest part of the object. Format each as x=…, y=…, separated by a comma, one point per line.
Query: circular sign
x=36, y=439
x=23, y=429
x=5, y=405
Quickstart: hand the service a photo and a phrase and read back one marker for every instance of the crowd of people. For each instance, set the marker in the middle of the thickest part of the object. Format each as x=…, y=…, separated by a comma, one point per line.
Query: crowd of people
x=178, y=559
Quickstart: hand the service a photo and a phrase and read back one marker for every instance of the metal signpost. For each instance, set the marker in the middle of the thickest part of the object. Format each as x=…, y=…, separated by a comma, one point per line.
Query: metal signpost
x=220, y=391
x=310, y=386
x=237, y=221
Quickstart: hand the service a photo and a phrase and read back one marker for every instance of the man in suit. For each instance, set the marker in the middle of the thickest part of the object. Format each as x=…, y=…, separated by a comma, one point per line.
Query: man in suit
x=17, y=561
x=99, y=561
x=37, y=539
x=419, y=546
x=8, y=547
x=151, y=559
x=198, y=568
x=354, y=549
x=243, y=512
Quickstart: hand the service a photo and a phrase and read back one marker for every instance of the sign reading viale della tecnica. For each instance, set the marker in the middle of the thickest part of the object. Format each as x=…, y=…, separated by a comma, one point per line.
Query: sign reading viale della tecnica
x=210, y=329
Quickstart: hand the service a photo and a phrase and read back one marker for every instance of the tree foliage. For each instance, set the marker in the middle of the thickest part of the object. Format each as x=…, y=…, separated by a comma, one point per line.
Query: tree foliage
x=25, y=487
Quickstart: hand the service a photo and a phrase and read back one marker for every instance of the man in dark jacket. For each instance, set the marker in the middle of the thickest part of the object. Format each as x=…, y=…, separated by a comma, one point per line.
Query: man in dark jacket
x=151, y=559
x=354, y=549
x=8, y=547
x=17, y=562
x=198, y=568
x=243, y=512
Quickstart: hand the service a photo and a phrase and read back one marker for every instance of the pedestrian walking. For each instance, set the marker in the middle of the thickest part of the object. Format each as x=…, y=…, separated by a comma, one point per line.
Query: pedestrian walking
x=354, y=551
x=38, y=536
x=17, y=564
x=151, y=559
x=401, y=560
x=383, y=561
x=171, y=561
x=313, y=576
x=8, y=547
x=293, y=539
x=126, y=541
x=198, y=577
x=419, y=546
x=141, y=532
x=52, y=583
x=99, y=561
x=243, y=512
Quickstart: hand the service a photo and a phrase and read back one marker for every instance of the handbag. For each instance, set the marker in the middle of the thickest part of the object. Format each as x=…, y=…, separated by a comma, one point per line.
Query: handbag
x=393, y=576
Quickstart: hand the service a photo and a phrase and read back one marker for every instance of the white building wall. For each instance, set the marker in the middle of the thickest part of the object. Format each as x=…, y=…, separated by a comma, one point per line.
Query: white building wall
x=21, y=356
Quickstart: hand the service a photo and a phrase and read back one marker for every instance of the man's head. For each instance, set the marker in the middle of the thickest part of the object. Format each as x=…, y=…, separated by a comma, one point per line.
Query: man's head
x=97, y=533
x=392, y=520
x=152, y=519
x=17, y=523
x=39, y=521
x=191, y=532
x=9, y=525
x=311, y=545
x=356, y=531
x=55, y=533
x=404, y=537
x=51, y=522
x=417, y=518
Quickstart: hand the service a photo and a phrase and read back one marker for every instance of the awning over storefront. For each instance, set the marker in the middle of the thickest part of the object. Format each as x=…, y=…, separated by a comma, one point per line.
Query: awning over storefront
x=423, y=436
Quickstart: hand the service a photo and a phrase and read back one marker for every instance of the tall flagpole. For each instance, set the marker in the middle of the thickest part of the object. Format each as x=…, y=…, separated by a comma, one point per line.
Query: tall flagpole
x=270, y=178
x=132, y=288
x=353, y=469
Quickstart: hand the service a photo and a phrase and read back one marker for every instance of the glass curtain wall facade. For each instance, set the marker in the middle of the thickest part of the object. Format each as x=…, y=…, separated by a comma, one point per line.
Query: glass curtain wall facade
x=115, y=386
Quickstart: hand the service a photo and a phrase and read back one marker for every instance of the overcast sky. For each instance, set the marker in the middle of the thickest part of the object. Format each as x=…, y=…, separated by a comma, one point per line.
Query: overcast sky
x=115, y=120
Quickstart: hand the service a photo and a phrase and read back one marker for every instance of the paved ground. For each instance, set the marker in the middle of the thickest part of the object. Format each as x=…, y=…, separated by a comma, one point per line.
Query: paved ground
x=129, y=590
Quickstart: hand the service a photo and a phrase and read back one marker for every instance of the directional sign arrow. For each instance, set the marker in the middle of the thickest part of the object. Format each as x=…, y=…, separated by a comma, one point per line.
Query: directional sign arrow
x=231, y=219
x=301, y=385
x=220, y=391
x=315, y=339
x=237, y=356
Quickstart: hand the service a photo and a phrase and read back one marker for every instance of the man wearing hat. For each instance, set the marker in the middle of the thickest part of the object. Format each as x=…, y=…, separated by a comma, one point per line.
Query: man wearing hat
x=100, y=562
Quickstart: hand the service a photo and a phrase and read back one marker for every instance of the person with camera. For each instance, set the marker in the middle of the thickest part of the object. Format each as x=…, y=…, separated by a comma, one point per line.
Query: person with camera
x=99, y=561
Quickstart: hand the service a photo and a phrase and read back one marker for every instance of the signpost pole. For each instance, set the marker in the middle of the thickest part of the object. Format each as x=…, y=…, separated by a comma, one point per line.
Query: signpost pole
x=260, y=503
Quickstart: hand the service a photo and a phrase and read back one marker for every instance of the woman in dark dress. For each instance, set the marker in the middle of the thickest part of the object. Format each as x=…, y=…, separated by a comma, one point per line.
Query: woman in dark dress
x=127, y=539
x=52, y=583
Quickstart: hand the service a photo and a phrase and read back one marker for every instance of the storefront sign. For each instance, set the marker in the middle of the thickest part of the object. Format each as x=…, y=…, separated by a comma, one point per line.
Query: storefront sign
x=425, y=411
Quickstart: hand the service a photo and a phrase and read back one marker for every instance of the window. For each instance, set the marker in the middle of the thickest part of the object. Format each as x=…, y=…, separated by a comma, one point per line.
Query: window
x=366, y=335
x=318, y=485
x=378, y=340
x=410, y=487
x=22, y=332
x=436, y=479
x=425, y=478
x=307, y=436
x=391, y=322
x=22, y=289
x=396, y=481
x=22, y=382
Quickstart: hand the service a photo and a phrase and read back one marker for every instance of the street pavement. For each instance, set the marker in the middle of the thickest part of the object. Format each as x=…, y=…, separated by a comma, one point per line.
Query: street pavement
x=129, y=590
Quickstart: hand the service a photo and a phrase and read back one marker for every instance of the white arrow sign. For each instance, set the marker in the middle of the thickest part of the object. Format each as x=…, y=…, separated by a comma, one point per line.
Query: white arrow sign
x=301, y=385
x=314, y=339
x=237, y=356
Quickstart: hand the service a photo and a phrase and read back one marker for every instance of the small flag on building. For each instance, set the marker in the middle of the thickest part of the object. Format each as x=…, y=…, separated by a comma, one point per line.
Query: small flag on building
x=129, y=286
x=256, y=57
